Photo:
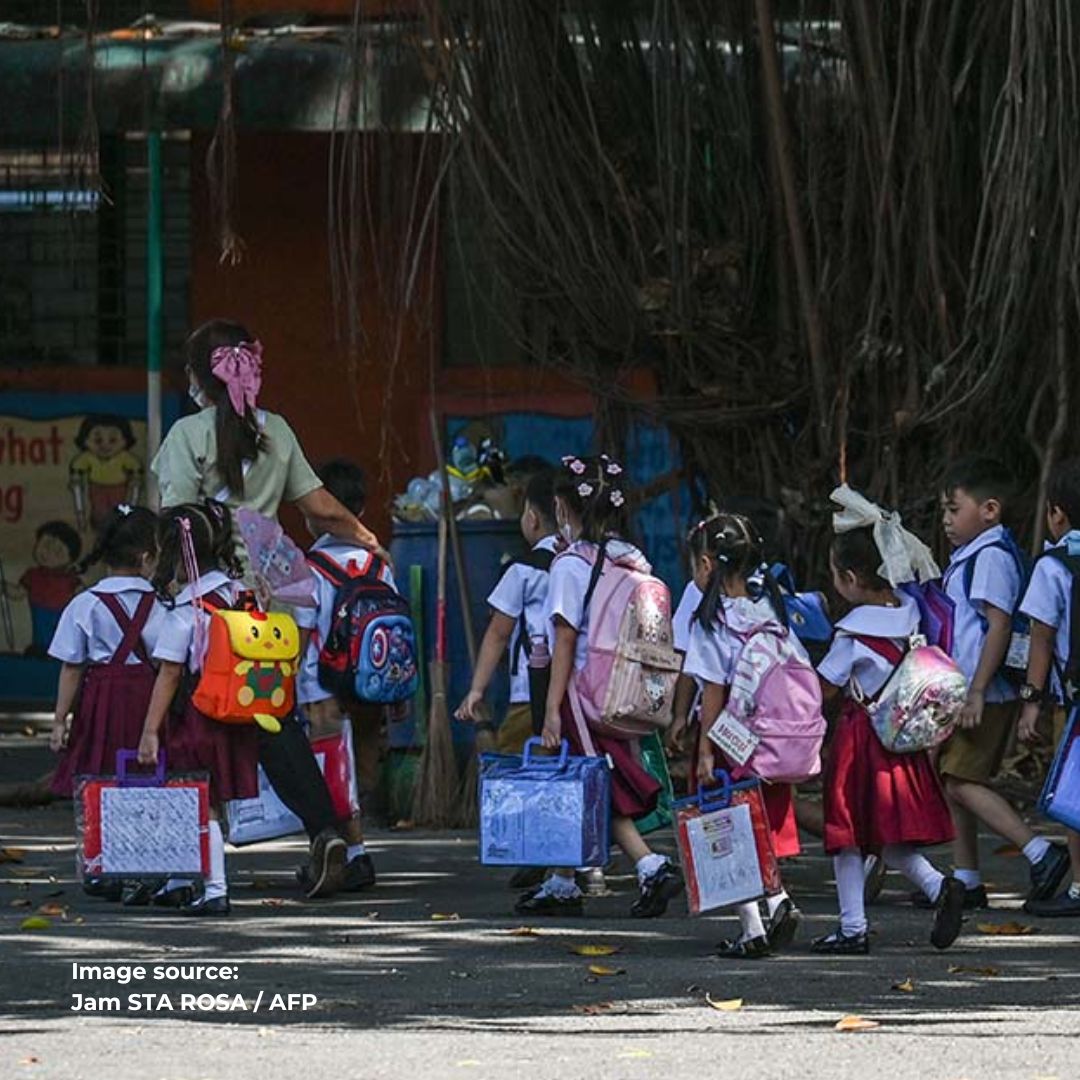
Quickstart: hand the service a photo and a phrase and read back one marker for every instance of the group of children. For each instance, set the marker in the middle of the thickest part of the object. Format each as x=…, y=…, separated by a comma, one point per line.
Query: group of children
x=130, y=649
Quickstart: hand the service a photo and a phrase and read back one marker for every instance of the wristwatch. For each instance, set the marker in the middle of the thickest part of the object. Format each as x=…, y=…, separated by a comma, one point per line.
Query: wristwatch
x=1030, y=693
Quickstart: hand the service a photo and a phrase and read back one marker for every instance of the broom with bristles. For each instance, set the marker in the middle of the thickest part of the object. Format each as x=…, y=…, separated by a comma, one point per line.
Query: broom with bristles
x=437, y=782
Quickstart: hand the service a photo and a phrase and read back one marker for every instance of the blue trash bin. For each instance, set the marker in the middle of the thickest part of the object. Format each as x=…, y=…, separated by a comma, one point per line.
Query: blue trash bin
x=486, y=546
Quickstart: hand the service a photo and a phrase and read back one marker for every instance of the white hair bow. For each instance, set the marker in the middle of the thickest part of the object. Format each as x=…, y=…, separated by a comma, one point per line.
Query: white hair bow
x=904, y=557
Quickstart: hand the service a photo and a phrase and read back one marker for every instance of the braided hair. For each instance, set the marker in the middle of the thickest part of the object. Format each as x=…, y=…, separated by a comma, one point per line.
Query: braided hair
x=737, y=550
x=129, y=533
x=211, y=539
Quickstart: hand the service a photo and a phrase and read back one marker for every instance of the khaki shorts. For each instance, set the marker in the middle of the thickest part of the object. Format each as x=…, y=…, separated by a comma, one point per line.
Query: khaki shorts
x=976, y=754
x=515, y=729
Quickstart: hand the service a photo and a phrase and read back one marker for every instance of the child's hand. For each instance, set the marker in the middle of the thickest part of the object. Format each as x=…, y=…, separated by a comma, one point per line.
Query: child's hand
x=469, y=708
x=148, y=748
x=551, y=736
x=673, y=741
x=972, y=712
x=58, y=735
x=1029, y=717
x=706, y=764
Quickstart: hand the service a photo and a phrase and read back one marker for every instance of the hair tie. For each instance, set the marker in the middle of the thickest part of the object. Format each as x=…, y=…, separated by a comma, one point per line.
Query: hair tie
x=239, y=367
x=123, y=509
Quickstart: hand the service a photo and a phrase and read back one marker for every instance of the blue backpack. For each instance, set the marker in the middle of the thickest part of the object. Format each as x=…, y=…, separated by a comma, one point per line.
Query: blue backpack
x=370, y=652
x=807, y=614
x=1014, y=666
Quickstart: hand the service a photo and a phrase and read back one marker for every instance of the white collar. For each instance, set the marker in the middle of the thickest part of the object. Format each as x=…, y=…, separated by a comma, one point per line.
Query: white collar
x=973, y=547
x=207, y=583
x=546, y=543
x=119, y=584
x=875, y=620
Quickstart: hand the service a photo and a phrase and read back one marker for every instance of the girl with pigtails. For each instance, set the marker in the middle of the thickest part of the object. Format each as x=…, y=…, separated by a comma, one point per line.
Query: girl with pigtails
x=591, y=512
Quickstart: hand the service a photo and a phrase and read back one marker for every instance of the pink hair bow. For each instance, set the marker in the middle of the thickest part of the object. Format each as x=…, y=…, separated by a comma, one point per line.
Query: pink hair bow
x=239, y=367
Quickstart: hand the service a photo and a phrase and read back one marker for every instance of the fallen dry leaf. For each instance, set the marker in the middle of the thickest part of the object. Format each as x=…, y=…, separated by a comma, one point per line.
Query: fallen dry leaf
x=963, y=969
x=600, y=969
x=23, y=871
x=438, y=916
x=524, y=931
x=12, y=854
x=905, y=987
x=28, y=731
x=731, y=1005
x=21, y=902
x=29, y=1060
x=272, y=901
x=1006, y=929
x=855, y=1023
x=594, y=950
x=35, y=922
x=56, y=910
x=594, y=1009
x=79, y=920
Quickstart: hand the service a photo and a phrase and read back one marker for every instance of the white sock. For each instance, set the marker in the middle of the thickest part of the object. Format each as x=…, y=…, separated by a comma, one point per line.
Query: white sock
x=848, y=869
x=1035, y=849
x=647, y=865
x=918, y=869
x=750, y=917
x=565, y=888
x=215, y=883
x=972, y=879
x=869, y=866
x=172, y=885
x=354, y=851
x=773, y=902
x=1074, y=891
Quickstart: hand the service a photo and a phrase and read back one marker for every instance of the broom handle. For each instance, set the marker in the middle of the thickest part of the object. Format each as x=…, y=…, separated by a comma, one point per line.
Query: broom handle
x=440, y=596
x=455, y=544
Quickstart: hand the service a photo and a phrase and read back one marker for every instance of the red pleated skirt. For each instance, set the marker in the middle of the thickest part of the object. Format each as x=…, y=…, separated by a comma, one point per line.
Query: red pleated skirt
x=109, y=716
x=779, y=802
x=873, y=797
x=228, y=752
x=634, y=790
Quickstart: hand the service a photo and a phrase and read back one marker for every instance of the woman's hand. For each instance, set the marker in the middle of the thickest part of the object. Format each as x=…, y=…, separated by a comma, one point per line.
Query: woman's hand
x=58, y=735
x=148, y=748
x=551, y=736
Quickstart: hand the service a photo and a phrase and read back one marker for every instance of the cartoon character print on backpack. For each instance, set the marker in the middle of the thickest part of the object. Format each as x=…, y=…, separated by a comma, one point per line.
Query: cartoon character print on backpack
x=264, y=680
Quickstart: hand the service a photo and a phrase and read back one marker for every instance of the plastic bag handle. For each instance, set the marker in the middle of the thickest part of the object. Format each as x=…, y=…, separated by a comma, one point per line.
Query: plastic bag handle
x=125, y=758
x=708, y=801
x=528, y=759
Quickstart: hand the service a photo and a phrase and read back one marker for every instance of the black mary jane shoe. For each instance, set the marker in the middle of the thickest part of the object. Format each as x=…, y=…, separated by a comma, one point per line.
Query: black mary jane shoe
x=139, y=893
x=739, y=949
x=948, y=913
x=542, y=903
x=111, y=889
x=657, y=891
x=783, y=925
x=203, y=908
x=179, y=897
x=840, y=944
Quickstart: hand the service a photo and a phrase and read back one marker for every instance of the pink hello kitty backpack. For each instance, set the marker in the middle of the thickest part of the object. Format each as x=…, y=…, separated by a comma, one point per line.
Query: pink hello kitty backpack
x=627, y=685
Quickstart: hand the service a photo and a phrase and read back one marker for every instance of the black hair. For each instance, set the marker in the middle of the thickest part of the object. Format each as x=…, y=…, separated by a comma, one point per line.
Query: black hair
x=129, y=533
x=211, y=539
x=67, y=535
x=737, y=549
x=540, y=495
x=238, y=437
x=346, y=481
x=857, y=551
x=1063, y=489
x=121, y=423
x=982, y=477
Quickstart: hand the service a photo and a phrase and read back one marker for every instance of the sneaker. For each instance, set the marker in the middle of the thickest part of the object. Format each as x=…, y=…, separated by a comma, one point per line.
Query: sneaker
x=840, y=944
x=1049, y=872
x=974, y=899
x=541, y=902
x=874, y=871
x=527, y=877
x=657, y=891
x=203, y=908
x=737, y=949
x=783, y=925
x=1057, y=907
x=948, y=913
x=591, y=882
x=327, y=868
x=359, y=874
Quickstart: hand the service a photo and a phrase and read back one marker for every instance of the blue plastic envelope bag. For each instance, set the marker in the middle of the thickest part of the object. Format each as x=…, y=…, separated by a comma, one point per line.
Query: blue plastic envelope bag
x=544, y=811
x=1060, y=799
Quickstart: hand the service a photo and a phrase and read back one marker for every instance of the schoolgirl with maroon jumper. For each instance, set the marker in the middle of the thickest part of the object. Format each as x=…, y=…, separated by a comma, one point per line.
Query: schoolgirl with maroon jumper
x=738, y=597
x=105, y=640
x=198, y=565
x=876, y=800
x=590, y=511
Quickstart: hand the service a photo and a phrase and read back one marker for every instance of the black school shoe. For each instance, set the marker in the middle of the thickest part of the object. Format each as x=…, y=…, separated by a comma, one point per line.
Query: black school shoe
x=527, y=877
x=948, y=913
x=783, y=925
x=104, y=888
x=657, y=891
x=1058, y=907
x=140, y=893
x=737, y=949
x=203, y=908
x=1049, y=872
x=974, y=899
x=840, y=944
x=543, y=903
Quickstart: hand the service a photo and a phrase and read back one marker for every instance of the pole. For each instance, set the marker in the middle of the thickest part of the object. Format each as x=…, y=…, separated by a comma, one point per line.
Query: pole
x=154, y=277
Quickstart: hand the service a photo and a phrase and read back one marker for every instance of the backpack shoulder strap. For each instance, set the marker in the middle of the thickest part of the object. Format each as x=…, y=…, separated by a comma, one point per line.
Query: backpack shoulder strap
x=885, y=647
x=329, y=568
x=131, y=626
x=1072, y=565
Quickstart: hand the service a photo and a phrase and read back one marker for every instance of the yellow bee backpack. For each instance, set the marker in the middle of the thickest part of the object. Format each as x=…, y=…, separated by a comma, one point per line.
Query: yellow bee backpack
x=249, y=673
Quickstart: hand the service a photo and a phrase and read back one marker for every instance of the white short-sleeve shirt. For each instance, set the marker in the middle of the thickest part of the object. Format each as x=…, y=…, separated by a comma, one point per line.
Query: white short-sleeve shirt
x=319, y=618
x=684, y=616
x=1048, y=600
x=521, y=590
x=849, y=659
x=995, y=582
x=88, y=633
x=176, y=643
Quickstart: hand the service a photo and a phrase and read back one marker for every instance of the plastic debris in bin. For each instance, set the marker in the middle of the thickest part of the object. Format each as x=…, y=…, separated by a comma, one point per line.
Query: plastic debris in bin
x=544, y=811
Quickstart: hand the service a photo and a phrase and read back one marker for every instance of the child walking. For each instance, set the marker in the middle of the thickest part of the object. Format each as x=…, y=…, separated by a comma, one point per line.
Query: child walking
x=105, y=640
x=875, y=799
x=984, y=581
x=590, y=510
x=1049, y=604
x=739, y=597
x=197, y=562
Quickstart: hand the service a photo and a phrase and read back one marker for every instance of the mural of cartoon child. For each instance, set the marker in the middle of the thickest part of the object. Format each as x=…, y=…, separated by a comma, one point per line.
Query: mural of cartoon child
x=105, y=473
x=50, y=583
